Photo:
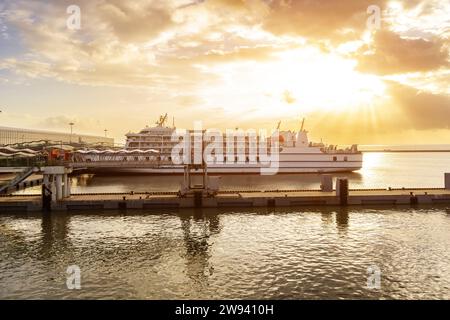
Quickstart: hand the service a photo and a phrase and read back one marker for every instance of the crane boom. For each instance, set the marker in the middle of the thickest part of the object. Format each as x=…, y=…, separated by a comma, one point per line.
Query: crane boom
x=279, y=125
x=162, y=120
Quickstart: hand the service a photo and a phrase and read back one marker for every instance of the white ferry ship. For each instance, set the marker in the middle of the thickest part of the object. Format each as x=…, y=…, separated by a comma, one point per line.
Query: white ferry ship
x=296, y=154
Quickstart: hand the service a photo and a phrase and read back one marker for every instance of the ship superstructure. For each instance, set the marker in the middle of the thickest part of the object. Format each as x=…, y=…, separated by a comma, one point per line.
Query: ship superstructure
x=296, y=153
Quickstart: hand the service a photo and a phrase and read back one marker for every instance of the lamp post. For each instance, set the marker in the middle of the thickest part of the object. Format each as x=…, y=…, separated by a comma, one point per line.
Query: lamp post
x=71, y=130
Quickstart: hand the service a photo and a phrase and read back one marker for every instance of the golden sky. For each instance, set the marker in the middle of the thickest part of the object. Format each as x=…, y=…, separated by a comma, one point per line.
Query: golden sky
x=230, y=63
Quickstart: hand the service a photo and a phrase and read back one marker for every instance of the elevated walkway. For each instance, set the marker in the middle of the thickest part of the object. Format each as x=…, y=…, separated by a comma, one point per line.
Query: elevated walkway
x=12, y=169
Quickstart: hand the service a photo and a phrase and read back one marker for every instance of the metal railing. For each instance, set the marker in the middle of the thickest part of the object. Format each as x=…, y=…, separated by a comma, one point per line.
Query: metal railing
x=23, y=162
x=18, y=179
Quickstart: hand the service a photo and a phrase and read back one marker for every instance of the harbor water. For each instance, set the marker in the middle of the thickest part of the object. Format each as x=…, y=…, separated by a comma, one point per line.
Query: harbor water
x=259, y=254
x=289, y=253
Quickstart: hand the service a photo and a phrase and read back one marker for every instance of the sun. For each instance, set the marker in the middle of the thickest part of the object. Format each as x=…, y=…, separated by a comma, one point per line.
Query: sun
x=303, y=79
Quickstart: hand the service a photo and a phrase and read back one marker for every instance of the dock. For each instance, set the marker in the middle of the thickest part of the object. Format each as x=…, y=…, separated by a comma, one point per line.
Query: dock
x=209, y=195
x=230, y=199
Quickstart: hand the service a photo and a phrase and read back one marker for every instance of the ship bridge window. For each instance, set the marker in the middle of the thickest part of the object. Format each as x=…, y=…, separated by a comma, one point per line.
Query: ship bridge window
x=334, y=158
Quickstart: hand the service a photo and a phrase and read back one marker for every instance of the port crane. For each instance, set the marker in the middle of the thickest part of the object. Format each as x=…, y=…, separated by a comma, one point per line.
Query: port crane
x=303, y=125
x=162, y=120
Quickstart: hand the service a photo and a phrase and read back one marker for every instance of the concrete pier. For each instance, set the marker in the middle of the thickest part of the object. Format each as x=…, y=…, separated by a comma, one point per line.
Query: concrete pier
x=67, y=186
x=56, y=178
x=211, y=197
x=276, y=198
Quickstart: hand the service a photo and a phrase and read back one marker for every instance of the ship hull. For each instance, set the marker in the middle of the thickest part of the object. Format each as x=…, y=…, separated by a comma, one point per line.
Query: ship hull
x=164, y=172
x=287, y=163
x=224, y=170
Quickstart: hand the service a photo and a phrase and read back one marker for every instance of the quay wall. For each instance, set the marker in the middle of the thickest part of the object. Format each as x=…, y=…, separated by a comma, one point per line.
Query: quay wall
x=229, y=200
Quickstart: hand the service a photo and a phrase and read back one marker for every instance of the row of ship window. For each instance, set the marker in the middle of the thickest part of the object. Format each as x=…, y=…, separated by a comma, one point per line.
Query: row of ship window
x=335, y=159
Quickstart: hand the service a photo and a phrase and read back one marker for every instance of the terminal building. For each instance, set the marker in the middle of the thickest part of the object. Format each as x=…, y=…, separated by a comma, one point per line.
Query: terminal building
x=11, y=136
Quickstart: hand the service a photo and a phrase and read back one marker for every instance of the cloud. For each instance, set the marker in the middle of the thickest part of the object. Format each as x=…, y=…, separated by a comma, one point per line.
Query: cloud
x=185, y=56
x=257, y=53
x=82, y=124
x=187, y=100
x=133, y=44
x=136, y=21
x=157, y=44
x=390, y=54
x=405, y=111
x=288, y=97
x=320, y=19
x=422, y=110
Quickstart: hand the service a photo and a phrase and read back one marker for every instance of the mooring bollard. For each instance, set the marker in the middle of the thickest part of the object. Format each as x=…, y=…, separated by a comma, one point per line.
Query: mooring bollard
x=413, y=200
x=342, y=191
x=447, y=181
x=46, y=198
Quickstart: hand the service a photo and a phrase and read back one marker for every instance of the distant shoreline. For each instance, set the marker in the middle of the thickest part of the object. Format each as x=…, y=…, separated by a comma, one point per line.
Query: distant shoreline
x=388, y=150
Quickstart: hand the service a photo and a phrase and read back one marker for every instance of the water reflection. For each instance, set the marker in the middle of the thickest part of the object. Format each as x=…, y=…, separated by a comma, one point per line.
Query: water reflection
x=338, y=215
x=13, y=240
x=55, y=231
x=327, y=217
x=198, y=228
x=298, y=253
x=149, y=183
x=342, y=218
x=82, y=180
